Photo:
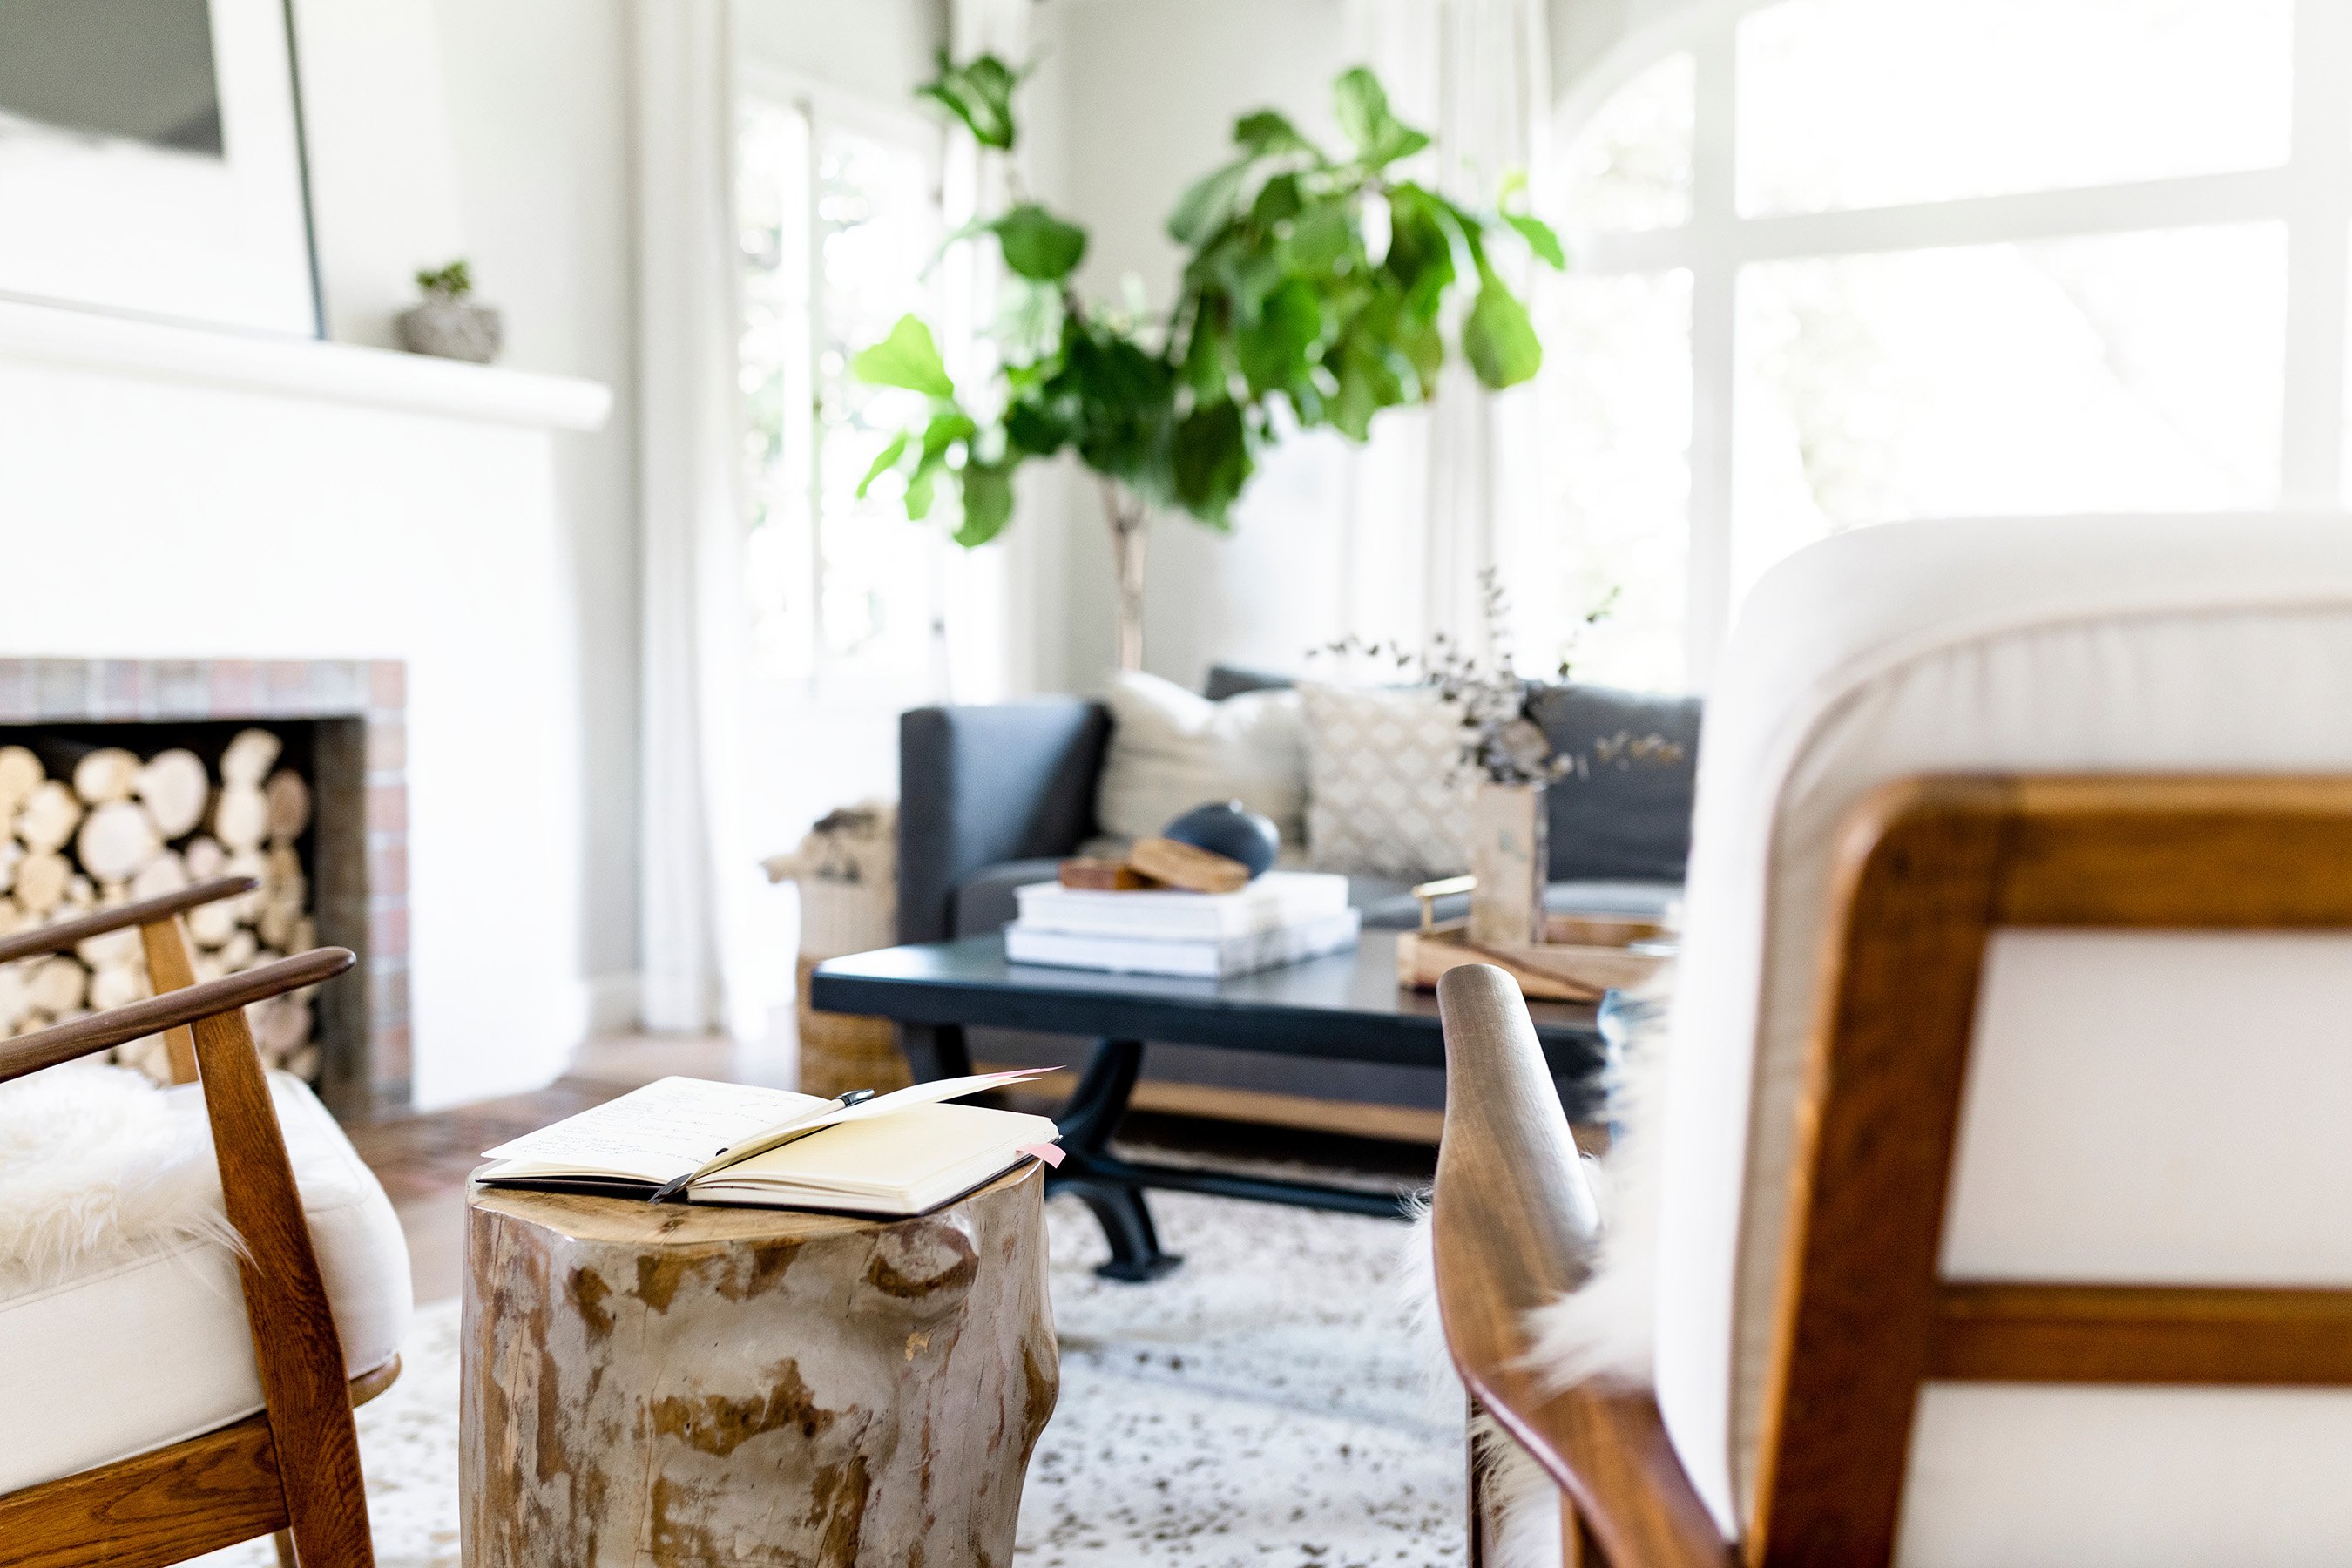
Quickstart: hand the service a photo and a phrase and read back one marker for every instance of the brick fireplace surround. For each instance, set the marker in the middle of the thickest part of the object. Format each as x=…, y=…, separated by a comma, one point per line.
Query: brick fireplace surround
x=358, y=709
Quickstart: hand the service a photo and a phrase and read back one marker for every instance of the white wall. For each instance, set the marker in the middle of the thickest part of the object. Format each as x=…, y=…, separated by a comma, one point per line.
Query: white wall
x=171, y=518
x=882, y=49
x=499, y=130
x=1147, y=92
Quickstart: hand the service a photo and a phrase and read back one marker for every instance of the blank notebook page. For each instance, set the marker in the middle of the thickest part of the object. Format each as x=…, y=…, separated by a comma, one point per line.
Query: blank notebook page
x=893, y=1152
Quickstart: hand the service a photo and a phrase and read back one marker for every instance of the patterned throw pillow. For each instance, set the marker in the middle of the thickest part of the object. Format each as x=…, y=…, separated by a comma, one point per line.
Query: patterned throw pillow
x=1384, y=795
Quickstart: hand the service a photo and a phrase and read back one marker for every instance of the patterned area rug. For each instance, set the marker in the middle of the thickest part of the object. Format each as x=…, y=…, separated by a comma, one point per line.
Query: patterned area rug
x=1263, y=1404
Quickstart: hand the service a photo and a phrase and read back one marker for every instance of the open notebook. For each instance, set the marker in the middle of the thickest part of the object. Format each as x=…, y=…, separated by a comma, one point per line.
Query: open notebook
x=898, y=1153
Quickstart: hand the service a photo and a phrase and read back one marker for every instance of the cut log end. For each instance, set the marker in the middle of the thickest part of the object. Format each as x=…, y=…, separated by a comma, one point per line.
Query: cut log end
x=1095, y=874
x=105, y=777
x=1188, y=866
x=176, y=790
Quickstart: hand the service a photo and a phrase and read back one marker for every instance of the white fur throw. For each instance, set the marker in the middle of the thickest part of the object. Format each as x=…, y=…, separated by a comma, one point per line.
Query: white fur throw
x=95, y=1166
x=1601, y=1330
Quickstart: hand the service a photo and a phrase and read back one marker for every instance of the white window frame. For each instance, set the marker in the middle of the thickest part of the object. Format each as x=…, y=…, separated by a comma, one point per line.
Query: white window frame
x=833, y=680
x=2310, y=195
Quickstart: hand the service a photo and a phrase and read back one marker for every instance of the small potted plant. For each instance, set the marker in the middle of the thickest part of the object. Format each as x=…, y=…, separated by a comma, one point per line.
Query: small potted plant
x=448, y=325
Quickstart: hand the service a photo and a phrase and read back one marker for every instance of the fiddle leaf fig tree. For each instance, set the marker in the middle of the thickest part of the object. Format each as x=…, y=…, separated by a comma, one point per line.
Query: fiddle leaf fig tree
x=1318, y=289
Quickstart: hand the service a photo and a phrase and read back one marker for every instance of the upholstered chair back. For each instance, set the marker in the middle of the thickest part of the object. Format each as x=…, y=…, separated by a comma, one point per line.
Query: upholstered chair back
x=2139, y=1108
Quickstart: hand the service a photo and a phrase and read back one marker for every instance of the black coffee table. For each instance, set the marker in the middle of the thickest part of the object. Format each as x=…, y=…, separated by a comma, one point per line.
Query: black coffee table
x=1347, y=1007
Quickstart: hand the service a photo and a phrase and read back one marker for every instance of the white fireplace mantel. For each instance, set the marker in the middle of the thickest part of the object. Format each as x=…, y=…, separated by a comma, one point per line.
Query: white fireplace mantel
x=171, y=493
x=299, y=367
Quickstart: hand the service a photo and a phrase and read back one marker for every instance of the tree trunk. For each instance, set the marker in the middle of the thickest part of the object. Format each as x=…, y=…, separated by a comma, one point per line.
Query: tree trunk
x=652, y=1384
x=1129, y=518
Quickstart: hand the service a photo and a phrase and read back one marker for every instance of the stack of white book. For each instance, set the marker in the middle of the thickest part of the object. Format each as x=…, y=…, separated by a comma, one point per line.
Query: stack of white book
x=1281, y=918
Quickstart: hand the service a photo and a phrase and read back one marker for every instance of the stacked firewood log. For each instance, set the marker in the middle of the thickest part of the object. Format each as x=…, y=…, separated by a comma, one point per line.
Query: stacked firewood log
x=123, y=827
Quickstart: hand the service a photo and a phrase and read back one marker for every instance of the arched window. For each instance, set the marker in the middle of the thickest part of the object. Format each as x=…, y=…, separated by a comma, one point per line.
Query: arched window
x=1842, y=262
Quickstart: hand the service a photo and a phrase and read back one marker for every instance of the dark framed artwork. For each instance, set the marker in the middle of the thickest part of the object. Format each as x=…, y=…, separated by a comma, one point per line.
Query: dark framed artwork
x=151, y=164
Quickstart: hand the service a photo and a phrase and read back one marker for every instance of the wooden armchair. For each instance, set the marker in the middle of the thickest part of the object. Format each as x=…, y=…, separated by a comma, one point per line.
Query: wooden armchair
x=2001, y=1176
x=293, y=1468
x=1867, y=1320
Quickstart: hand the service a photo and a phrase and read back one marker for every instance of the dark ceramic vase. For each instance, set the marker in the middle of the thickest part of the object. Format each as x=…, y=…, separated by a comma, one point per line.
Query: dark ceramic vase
x=1230, y=829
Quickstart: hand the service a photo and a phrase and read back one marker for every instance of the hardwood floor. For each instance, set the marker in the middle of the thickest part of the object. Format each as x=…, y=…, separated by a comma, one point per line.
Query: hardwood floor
x=422, y=1163
x=423, y=1160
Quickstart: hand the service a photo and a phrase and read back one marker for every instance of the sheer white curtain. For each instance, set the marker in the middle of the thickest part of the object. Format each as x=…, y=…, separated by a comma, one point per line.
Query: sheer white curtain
x=698, y=875
x=1442, y=493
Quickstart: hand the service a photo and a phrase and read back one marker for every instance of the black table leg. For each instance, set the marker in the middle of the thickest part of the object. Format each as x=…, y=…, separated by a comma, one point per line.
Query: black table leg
x=1091, y=1175
x=935, y=1051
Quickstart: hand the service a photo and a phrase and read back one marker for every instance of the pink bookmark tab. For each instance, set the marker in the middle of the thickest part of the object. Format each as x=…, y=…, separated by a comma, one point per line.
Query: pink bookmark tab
x=1051, y=1154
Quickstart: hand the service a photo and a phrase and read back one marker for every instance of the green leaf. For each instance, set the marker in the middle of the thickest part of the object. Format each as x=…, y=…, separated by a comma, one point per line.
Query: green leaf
x=1255, y=274
x=1208, y=206
x=1423, y=347
x=1267, y=132
x=1273, y=350
x=1039, y=245
x=1421, y=247
x=1322, y=233
x=1541, y=240
x=883, y=464
x=1125, y=397
x=1206, y=366
x=980, y=94
x=1497, y=339
x=1361, y=105
x=1403, y=142
x=907, y=358
x=1277, y=199
x=944, y=431
x=1211, y=459
x=1033, y=430
x=1368, y=372
x=987, y=503
x=919, y=485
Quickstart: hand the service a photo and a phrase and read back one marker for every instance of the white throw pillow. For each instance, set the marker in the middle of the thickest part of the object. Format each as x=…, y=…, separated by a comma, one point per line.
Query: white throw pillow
x=1386, y=796
x=1171, y=750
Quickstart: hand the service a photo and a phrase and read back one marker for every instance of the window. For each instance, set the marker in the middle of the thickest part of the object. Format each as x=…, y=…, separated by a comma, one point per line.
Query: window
x=1844, y=262
x=839, y=214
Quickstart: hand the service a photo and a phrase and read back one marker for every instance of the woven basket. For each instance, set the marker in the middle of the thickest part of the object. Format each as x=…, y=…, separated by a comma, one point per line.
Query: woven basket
x=842, y=1051
x=847, y=872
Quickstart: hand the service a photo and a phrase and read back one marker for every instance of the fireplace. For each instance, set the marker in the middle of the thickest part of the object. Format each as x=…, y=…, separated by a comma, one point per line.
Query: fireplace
x=302, y=768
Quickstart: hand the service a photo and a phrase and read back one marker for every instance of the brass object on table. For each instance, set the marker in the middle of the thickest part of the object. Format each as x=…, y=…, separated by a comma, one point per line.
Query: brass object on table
x=1583, y=954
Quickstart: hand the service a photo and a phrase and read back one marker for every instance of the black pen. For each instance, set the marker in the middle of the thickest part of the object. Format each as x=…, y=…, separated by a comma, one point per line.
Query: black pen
x=673, y=1190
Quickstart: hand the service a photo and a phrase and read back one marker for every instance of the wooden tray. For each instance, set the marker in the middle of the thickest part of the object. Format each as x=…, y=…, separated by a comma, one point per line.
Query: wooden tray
x=1583, y=956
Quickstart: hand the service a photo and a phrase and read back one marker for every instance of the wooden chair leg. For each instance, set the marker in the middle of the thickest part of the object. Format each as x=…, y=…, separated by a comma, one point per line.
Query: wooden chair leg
x=284, y=1542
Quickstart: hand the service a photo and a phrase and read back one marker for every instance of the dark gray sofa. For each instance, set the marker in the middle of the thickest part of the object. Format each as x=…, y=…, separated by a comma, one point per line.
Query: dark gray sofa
x=990, y=798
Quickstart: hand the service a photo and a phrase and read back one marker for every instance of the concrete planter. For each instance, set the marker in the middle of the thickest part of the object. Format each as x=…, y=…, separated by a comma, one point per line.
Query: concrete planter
x=450, y=329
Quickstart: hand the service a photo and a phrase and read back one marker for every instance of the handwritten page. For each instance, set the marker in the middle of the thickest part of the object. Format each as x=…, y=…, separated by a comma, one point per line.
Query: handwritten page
x=654, y=1133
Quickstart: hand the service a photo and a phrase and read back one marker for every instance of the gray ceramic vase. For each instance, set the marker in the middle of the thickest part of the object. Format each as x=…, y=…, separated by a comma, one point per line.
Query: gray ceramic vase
x=450, y=328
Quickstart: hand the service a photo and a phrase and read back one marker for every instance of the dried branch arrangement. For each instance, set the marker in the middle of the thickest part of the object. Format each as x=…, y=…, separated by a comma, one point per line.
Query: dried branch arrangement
x=1500, y=741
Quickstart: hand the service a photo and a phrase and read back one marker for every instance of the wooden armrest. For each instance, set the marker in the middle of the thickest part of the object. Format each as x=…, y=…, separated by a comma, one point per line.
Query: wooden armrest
x=57, y=938
x=1514, y=1226
x=121, y=1025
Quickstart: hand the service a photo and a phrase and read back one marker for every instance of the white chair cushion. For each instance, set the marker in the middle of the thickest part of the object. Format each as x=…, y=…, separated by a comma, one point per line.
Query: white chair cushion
x=2219, y=643
x=140, y=1355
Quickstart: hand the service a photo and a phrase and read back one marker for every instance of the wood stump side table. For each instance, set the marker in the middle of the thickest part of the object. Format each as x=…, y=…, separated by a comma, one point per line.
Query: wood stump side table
x=668, y=1384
